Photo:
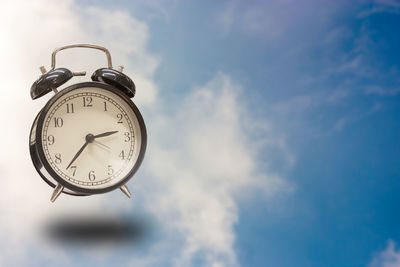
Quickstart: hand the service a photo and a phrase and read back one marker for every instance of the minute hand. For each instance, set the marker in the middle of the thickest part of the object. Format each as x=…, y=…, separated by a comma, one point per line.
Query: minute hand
x=77, y=154
x=105, y=134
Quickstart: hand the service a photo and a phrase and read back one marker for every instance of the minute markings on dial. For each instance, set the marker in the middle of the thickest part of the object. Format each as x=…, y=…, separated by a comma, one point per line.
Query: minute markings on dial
x=67, y=126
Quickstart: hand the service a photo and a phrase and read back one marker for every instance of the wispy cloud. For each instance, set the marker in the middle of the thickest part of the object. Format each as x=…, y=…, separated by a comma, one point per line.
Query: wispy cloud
x=381, y=6
x=326, y=55
x=274, y=20
x=390, y=257
x=381, y=91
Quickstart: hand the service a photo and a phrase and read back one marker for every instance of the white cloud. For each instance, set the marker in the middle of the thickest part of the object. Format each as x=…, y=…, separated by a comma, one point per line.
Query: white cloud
x=390, y=257
x=202, y=159
x=201, y=156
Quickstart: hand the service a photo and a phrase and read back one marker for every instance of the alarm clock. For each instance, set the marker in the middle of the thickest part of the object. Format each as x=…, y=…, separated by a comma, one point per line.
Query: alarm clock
x=89, y=138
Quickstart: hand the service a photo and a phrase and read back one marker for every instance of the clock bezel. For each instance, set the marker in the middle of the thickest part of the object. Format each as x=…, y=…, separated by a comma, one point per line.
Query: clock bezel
x=46, y=164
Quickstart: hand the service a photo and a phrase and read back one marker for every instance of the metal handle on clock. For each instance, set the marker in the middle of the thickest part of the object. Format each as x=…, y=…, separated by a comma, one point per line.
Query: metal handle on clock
x=105, y=50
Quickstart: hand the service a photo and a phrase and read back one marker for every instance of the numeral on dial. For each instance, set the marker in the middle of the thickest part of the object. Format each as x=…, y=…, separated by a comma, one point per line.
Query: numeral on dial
x=120, y=117
x=74, y=168
x=50, y=140
x=92, y=176
x=87, y=101
x=70, y=108
x=58, y=122
x=122, y=155
x=110, y=170
x=105, y=106
x=58, y=158
x=127, y=136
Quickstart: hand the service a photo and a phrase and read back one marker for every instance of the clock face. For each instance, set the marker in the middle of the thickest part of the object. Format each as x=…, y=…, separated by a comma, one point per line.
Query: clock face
x=91, y=138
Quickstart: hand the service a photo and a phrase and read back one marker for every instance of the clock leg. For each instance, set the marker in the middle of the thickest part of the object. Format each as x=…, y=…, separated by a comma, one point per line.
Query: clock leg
x=125, y=189
x=57, y=191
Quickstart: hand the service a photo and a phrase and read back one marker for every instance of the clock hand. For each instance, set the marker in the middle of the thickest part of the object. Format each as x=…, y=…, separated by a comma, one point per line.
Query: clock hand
x=89, y=139
x=78, y=153
x=105, y=134
x=101, y=144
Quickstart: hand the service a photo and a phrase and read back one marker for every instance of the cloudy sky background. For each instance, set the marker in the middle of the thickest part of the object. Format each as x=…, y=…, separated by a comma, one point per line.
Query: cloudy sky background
x=273, y=134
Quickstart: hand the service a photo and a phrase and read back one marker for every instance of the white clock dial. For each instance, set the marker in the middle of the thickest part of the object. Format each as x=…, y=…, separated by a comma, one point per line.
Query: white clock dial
x=91, y=138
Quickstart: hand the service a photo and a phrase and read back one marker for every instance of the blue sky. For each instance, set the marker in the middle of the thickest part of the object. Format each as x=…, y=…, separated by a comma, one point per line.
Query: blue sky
x=273, y=132
x=328, y=78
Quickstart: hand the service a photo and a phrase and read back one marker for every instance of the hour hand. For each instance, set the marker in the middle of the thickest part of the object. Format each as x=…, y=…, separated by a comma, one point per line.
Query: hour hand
x=105, y=134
